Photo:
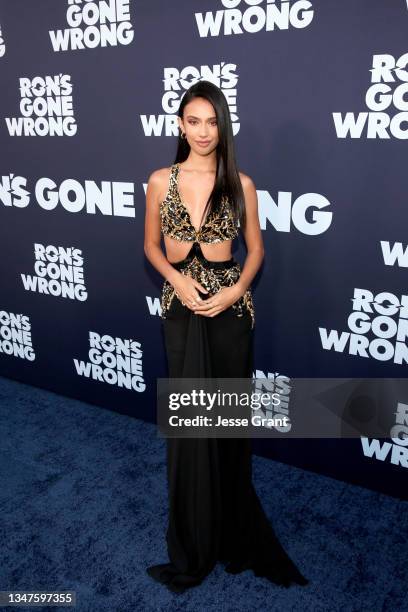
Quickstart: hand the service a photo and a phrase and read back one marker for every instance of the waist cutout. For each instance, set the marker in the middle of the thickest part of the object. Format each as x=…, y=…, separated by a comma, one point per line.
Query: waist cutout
x=196, y=251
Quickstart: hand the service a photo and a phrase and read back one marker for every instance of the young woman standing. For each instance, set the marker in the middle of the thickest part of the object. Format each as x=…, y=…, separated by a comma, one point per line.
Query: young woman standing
x=208, y=319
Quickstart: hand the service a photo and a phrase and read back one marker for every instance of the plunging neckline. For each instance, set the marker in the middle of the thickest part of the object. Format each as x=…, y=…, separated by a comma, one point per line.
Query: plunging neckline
x=180, y=199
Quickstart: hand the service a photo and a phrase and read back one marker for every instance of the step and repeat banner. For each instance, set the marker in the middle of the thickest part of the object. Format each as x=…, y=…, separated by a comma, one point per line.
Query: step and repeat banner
x=318, y=94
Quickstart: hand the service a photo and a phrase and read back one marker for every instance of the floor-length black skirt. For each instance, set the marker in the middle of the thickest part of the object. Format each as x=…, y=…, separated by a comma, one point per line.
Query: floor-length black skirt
x=214, y=511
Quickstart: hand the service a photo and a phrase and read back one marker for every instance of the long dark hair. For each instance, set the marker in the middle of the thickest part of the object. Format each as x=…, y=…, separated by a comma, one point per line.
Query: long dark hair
x=227, y=180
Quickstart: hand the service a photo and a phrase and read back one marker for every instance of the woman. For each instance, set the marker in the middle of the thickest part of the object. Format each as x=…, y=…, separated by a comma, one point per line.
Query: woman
x=208, y=319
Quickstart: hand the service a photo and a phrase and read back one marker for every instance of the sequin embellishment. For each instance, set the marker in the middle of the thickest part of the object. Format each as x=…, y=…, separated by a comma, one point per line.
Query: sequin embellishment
x=213, y=279
x=176, y=223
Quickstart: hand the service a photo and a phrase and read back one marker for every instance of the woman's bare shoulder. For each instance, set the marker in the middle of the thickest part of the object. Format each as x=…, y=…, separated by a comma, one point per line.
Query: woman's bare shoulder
x=246, y=181
x=157, y=177
x=158, y=182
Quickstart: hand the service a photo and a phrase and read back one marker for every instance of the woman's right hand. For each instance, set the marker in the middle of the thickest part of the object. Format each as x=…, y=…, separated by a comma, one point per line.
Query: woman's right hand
x=186, y=289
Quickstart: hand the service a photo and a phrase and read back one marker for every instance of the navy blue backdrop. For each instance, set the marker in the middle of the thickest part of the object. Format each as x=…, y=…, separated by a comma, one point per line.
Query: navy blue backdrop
x=318, y=92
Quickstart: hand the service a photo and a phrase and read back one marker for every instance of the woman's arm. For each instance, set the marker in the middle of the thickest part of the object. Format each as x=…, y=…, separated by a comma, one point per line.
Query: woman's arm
x=186, y=287
x=252, y=235
x=152, y=233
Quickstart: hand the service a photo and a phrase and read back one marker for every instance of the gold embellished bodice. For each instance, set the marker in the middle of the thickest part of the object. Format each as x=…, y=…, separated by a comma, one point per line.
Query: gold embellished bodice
x=176, y=222
x=213, y=276
x=217, y=227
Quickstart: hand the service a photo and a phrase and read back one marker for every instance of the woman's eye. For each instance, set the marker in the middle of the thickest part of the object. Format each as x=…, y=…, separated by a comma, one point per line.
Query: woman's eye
x=192, y=122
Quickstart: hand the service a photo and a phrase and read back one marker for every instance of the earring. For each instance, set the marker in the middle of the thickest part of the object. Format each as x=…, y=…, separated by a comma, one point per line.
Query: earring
x=183, y=135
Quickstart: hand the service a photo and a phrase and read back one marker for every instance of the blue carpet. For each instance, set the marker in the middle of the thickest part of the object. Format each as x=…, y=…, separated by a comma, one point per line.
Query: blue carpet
x=83, y=505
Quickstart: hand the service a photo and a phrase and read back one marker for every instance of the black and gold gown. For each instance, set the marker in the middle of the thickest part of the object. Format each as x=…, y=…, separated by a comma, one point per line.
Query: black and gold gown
x=214, y=511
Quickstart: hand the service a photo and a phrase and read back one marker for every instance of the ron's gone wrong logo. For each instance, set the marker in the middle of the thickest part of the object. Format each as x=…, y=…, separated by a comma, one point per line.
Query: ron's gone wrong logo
x=386, y=102
x=377, y=328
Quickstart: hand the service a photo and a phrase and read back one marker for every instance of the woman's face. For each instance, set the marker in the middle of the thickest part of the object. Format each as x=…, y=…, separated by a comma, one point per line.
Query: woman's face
x=200, y=126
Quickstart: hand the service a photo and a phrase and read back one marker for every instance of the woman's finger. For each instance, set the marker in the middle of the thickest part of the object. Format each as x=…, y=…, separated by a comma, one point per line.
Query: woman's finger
x=211, y=311
x=204, y=306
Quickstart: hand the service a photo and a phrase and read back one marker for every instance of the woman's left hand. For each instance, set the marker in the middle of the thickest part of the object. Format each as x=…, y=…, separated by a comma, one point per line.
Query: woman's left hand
x=218, y=302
